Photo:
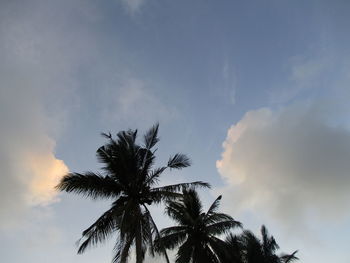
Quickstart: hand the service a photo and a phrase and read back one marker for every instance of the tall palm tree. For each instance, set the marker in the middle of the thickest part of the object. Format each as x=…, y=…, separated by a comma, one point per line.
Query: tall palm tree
x=197, y=231
x=247, y=248
x=129, y=179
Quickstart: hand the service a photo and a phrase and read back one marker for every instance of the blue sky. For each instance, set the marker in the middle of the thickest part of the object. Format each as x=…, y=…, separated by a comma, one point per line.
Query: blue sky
x=255, y=92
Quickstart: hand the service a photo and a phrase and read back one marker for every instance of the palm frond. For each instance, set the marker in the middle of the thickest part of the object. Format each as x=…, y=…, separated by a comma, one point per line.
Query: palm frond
x=106, y=135
x=222, y=227
x=179, y=161
x=90, y=184
x=214, y=206
x=173, y=229
x=151, y=137
x=218, y=217
x=104, y=154
x=268, y=242
x=170, y=241
x=122, y=249
x=157, y=196
x=178, y=212
x=234, y=249
x=218, y=248
x=185, y=252
x=288, y=258
x=153, y=176
x=182, y=186
x=127, y=138
x=99, y=231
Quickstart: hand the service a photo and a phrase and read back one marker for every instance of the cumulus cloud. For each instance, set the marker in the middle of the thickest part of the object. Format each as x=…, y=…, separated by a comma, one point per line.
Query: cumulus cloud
x=30, y=169
x=45, y=53
x=289, y=164
x=37, y=64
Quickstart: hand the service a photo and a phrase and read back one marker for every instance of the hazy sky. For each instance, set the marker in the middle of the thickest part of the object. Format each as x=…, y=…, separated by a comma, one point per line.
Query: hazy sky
x=255, y=92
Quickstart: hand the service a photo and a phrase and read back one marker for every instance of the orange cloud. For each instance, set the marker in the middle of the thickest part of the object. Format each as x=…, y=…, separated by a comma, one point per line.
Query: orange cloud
x=46, y=171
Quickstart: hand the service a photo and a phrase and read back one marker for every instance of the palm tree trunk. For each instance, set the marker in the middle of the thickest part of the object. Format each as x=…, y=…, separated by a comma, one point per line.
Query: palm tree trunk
x=139, y=256
x=138, y=239
x=158, y=234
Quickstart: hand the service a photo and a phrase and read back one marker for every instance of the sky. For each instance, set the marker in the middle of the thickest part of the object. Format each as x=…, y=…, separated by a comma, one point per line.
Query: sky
x=255, y=92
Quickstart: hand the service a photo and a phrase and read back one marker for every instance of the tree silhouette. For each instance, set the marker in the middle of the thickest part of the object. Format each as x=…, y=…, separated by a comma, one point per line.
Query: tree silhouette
x=247, y=248
x=130, y=180
x=197, y=231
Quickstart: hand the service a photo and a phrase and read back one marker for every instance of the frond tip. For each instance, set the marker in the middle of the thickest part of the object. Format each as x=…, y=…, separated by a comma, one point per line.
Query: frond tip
x=151, y=137
x=179, y=161
x=89, y=184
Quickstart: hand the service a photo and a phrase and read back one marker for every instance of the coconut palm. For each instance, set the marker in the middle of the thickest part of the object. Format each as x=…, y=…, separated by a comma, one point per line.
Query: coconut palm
x=234, y=251
x=129, y=179
x=196, y=231
x=247, y=248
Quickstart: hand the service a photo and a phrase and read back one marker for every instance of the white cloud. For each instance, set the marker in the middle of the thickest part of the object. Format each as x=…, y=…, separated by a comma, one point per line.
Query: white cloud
x=288, y=164
x=133, y=6
x=44, y=52
x=37, y=64
x=30, y=169
x=304, y=75
x=134, y=103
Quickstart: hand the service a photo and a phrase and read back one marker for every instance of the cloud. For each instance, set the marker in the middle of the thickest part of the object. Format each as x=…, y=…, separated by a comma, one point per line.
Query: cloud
x=40, y=54
x=46, y=171
x=306, y=74
x=30, y=169
x=134, y=103
x=229, y=81
x=288, y=164
x=50, y=62
x=133, y=6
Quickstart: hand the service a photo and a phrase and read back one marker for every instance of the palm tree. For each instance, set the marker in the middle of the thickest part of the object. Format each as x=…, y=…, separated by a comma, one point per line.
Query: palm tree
x=247, y=248
x=129, y=179
x=234, y=251
x=197, y=231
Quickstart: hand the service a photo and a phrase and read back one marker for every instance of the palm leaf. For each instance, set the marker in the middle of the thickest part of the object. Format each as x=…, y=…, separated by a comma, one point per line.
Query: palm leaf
x=214, y=205
x=222, y=227
x=90, y=184
x=99, y=231
x=151, y=137
x=153, y=176
x=122, y=249
x=179, y=161
x=287, y=258
x=182, y=186
x=170, y=241
x=185, y=252
x=218, y=217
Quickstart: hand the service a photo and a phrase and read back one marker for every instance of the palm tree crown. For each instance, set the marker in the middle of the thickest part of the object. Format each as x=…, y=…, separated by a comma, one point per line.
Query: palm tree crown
x=129, y=179
x=197, y=231
x=248, y=248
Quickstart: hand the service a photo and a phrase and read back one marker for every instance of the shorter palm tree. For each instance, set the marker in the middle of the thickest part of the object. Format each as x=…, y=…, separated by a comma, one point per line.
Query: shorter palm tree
x=197, y=231
x=247, y=248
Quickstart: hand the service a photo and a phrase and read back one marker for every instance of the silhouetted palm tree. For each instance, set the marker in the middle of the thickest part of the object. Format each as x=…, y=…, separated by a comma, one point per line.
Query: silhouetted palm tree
x=197, y=231
x=128, y=178
x=247, y=248
x=234, y=251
